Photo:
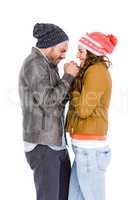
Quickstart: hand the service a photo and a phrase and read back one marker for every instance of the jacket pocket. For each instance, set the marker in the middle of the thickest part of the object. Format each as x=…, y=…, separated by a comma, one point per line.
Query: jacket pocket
x=37, y=119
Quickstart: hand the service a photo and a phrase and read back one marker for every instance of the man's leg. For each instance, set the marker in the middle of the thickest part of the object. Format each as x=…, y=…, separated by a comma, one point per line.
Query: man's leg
x=51, y=172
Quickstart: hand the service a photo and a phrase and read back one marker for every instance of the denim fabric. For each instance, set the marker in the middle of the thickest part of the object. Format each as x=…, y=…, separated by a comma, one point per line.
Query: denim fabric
x=87, y=180
x=51, y=171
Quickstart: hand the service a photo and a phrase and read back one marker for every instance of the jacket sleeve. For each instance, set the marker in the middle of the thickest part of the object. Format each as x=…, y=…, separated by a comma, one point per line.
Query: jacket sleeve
x=43, y=95
x=92, y=90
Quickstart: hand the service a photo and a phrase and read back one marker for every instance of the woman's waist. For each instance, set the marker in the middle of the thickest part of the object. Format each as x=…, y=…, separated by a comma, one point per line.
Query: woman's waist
x=86, y=125
x=88, y=135
x=92, y=141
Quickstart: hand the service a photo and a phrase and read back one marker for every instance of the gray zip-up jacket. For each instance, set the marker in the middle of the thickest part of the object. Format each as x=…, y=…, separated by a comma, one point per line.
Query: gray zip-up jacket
x=43, y=97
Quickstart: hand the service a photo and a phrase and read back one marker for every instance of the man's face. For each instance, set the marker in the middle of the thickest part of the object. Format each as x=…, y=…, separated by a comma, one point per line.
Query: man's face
x=57, y=53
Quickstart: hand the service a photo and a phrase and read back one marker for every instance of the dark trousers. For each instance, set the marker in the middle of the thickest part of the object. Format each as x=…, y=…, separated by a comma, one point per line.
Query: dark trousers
x=51, y=172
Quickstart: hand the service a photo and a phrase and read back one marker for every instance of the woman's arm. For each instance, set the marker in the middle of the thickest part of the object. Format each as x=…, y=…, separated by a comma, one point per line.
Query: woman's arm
x=92, y=89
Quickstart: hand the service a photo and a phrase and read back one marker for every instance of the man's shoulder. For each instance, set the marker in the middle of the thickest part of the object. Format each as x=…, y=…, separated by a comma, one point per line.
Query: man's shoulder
x=33, y=63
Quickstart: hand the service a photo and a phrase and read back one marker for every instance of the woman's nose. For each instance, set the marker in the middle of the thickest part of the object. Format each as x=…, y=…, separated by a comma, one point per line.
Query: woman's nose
x=77, y=56
x=63, y=55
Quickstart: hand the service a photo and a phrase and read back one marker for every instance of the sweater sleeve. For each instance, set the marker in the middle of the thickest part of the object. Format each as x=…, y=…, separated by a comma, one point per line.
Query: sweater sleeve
x=92, y=90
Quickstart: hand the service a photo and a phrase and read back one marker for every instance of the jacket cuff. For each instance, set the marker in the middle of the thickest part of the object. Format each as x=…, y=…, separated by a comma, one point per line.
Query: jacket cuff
x=68, y=77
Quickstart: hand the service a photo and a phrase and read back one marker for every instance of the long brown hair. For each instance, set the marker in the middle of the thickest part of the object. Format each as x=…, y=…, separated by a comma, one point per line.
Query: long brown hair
x=91, y=59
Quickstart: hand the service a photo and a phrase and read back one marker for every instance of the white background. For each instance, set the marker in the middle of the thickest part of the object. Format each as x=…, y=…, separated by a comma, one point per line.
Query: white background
x=17, y=19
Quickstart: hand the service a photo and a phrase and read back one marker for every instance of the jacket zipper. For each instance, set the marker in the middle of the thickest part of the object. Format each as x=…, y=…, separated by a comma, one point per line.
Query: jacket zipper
x=43, y=118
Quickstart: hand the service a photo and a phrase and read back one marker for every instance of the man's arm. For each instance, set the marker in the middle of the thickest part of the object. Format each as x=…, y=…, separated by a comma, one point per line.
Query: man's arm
x=45, y=96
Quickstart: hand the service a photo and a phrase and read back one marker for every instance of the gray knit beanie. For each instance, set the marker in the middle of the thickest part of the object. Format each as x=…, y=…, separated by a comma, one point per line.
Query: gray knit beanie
x=48, y=35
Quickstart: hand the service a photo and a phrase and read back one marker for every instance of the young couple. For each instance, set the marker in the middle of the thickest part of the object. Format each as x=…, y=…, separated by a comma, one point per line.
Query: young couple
x=43, y=96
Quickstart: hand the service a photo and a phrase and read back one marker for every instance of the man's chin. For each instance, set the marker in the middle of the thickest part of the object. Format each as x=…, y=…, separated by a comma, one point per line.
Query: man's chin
x=58, y=61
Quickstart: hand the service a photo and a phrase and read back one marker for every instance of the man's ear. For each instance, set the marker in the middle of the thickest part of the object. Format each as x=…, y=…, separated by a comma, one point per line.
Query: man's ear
x=47, y=51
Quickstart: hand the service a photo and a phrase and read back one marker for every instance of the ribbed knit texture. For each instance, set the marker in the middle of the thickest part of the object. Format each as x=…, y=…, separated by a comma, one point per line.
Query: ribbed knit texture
x=48, y=35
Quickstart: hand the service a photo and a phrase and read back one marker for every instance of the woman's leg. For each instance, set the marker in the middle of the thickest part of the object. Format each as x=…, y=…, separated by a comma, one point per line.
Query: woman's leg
x=91, y=167
x=74, y=188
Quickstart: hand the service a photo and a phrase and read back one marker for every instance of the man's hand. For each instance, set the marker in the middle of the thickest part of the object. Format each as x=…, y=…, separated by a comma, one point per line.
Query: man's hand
x=71, y=68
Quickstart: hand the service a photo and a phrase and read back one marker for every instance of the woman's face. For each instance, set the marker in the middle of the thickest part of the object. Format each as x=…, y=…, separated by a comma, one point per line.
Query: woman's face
x=81, y=55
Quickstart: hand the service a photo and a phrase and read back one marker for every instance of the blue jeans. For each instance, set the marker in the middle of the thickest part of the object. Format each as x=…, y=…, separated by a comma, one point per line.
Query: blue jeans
x=87, y=180
x=51, y=170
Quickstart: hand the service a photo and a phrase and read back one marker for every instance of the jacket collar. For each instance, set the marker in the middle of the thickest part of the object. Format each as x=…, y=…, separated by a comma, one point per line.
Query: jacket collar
x=37, y=51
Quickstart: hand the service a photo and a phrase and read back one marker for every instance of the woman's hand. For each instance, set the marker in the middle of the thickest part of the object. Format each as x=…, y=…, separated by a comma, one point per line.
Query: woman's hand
x=73, y=93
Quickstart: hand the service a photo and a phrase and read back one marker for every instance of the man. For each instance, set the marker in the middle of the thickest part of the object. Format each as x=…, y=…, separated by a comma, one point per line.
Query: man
x=43, y=97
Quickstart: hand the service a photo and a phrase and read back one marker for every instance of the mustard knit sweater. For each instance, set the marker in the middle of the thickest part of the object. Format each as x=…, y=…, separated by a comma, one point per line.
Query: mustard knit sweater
x=88, y=109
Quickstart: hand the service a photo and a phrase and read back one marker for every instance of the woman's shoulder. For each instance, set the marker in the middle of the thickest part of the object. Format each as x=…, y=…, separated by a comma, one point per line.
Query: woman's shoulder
x=95, y=68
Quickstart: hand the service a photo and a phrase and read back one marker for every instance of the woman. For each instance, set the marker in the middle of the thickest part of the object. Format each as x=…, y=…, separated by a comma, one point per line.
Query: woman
x=87, y=117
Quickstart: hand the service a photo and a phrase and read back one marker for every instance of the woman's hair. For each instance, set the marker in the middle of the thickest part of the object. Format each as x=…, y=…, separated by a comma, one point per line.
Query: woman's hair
x=91, y=59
